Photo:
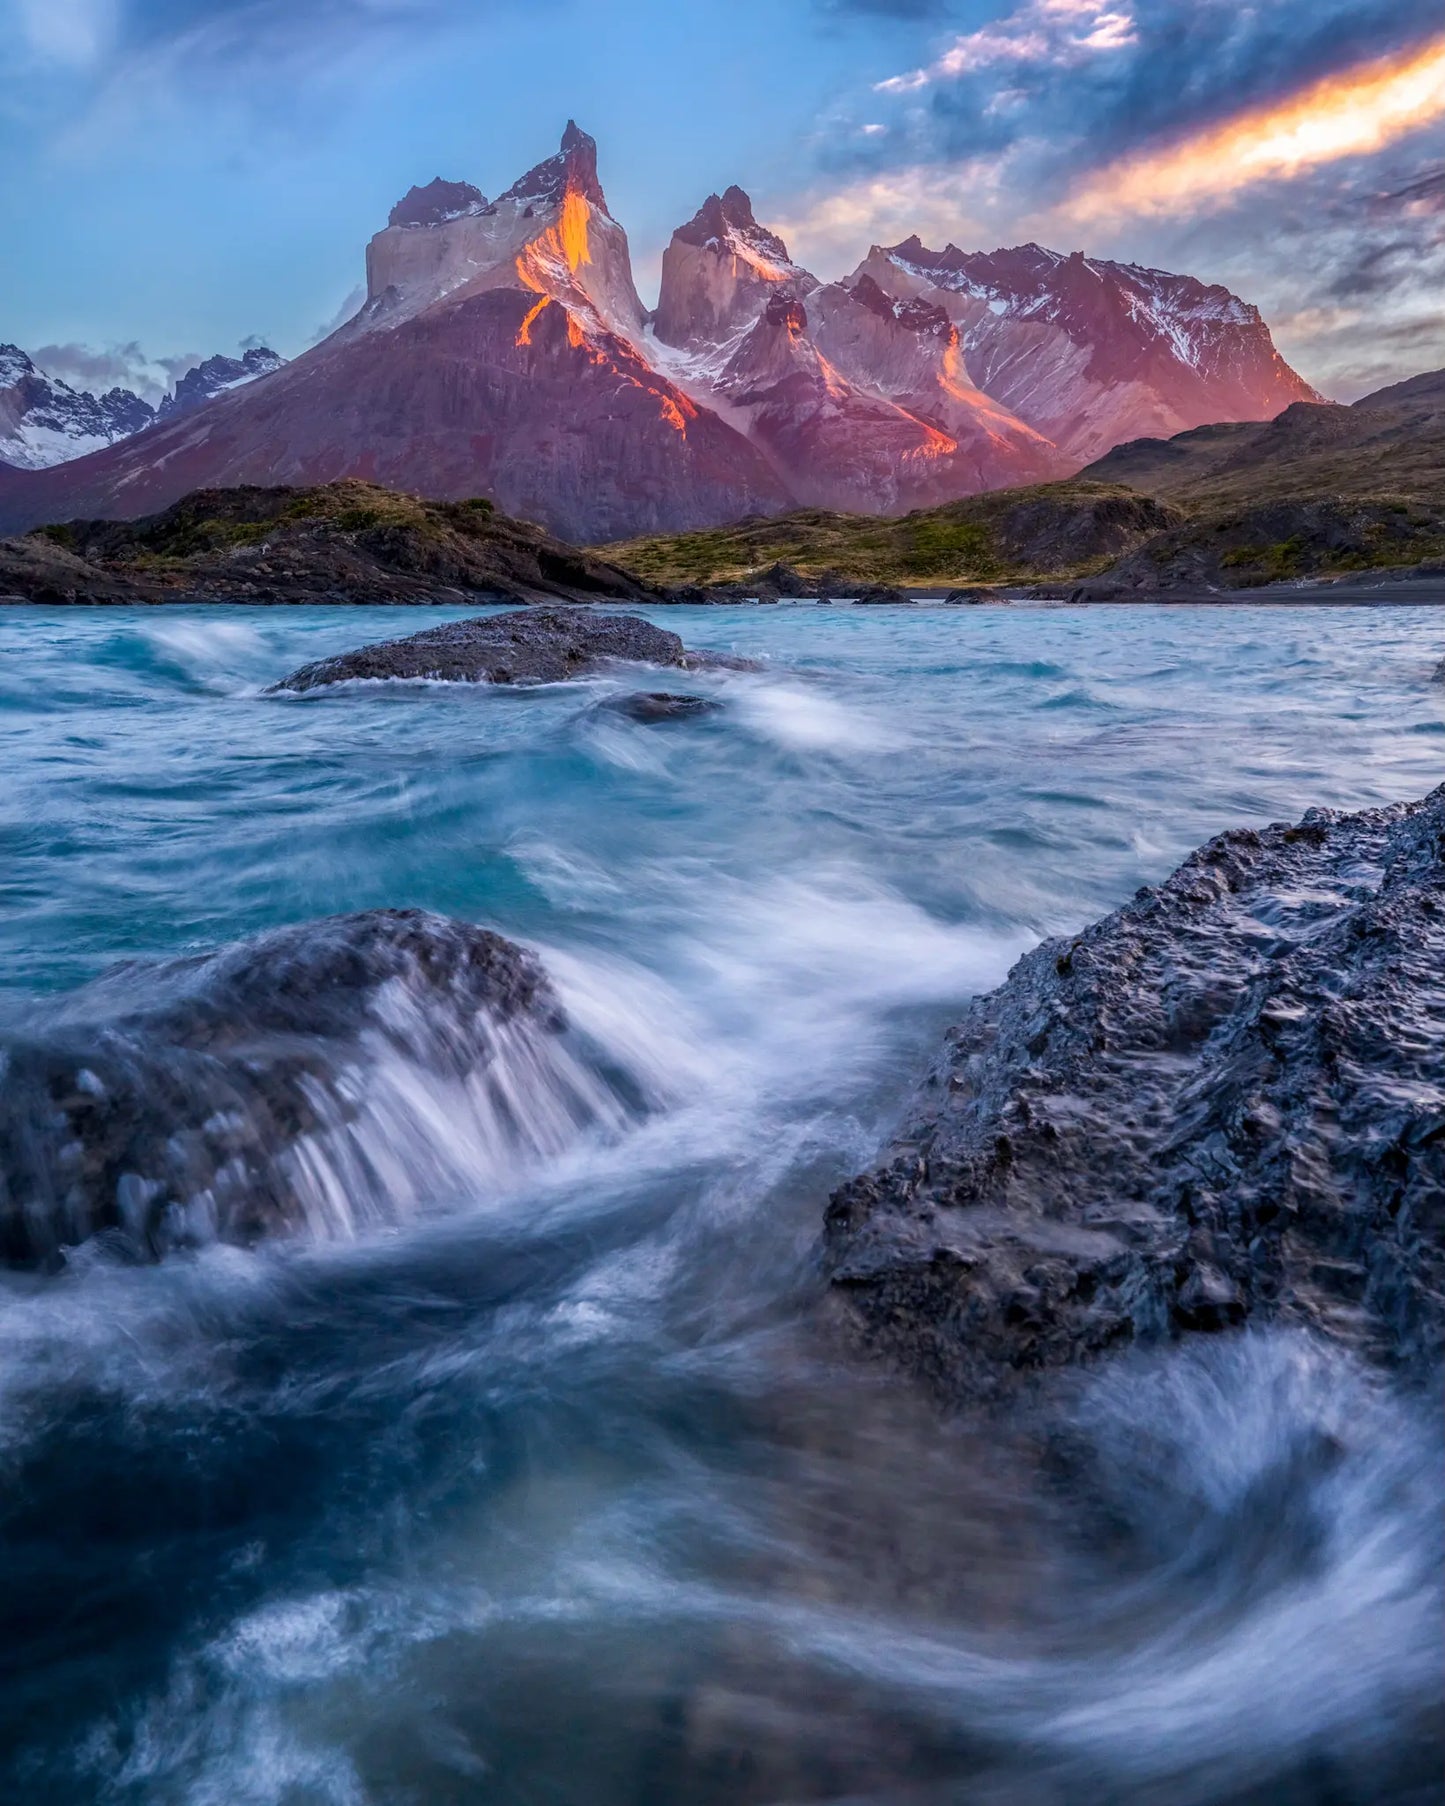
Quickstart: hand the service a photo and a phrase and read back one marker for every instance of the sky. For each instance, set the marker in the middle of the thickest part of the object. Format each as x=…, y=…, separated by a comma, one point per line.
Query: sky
x=183, y=177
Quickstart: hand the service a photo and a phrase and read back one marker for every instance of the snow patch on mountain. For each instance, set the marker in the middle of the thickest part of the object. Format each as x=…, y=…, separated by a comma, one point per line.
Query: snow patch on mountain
x=44, y=421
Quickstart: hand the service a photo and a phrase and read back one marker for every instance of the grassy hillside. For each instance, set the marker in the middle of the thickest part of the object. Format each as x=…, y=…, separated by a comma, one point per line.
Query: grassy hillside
x=347, y=541
x=1054, y=529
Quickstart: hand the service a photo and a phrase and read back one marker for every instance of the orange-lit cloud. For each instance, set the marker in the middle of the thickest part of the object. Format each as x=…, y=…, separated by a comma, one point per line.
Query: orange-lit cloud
x=1363, y=110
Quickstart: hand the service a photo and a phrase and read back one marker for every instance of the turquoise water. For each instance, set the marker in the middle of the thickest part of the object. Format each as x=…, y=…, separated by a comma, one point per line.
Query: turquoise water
x=551, y=1489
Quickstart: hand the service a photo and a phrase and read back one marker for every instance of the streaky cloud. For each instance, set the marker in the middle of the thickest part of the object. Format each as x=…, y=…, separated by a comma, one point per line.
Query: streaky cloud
x=1357, y=112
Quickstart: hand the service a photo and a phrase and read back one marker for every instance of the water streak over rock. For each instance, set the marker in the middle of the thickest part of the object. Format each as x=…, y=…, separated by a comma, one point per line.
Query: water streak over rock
x=317, y=1077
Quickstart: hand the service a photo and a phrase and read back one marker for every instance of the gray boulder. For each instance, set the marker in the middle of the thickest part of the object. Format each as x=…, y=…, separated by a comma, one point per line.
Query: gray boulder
x=540, y=646
x=1224, y=1103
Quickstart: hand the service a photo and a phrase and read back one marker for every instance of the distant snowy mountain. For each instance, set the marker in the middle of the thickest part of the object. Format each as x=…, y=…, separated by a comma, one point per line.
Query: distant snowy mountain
x=215, y=377
x=43, y=421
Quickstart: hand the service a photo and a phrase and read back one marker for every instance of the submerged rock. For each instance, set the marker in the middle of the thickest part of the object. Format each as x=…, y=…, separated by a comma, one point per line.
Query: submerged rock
x=217, y=1097
x=540, y=646
x=1223, y=1103
x=661, y=705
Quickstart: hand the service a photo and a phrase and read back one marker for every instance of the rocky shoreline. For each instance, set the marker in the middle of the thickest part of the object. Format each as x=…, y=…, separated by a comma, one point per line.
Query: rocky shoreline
x=1223, y=1104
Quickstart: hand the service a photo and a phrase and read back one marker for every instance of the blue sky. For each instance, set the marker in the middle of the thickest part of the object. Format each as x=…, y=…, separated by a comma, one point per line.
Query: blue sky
x=184, y=176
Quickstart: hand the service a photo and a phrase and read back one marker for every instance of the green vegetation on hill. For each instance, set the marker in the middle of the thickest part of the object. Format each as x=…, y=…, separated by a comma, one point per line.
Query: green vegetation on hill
x=1053, y=529
x=347, y=541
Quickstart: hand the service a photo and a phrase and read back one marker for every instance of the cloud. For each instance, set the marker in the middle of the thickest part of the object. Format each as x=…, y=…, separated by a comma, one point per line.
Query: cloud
x=832, y=228
x=343, y=313
x=1086, y=82
x=124, y=366
x=1057, y=34
x=1361, y=110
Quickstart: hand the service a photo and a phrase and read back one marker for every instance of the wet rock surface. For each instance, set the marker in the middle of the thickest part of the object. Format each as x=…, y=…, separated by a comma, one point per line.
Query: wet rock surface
x=661, y=705
x=161, y=1103
x=1224, y=1103
x=540, y=646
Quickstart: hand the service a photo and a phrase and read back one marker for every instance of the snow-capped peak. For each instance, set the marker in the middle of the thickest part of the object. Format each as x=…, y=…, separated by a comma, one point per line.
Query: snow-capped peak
x=43, y=421
x=217, y=375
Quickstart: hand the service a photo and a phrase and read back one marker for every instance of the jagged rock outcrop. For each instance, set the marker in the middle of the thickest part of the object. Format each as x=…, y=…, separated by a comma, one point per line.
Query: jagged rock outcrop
x=217, y=376
x=199, y=1098
x=1222, y=1104
x=861, y=402
x=1089, y=352
x=542, y=646
x=436, y=203
x=550, y=236
x=655, y=706
x=847, y=446
x=44, y=422
x=719, y=272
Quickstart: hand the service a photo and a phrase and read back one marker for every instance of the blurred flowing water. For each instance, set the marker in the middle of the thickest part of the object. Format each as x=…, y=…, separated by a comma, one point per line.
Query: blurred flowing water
x=540, y=1483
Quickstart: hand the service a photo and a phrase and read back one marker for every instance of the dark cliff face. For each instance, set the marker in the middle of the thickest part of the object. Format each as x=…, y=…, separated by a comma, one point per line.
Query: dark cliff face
x=1219, y=1105
x=436, y=203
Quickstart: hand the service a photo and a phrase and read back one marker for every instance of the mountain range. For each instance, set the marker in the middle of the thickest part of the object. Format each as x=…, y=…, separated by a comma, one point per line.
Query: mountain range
x=45, y=422
x=503, y=350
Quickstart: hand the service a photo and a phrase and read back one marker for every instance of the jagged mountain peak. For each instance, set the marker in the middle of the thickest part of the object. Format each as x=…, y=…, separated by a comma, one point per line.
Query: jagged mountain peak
x=216, y=376
x=572, y=171
x=14, y=363
x=914, y=315
x=1089, y=351
x=44, y=421
x=718, y=272
x=727, y=222
x=436, y=203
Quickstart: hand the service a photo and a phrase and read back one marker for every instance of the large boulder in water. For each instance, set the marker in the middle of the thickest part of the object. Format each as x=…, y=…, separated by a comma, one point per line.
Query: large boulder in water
x=1224, y=1103
x=539, y=646
x=286, y=1082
